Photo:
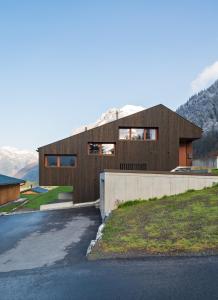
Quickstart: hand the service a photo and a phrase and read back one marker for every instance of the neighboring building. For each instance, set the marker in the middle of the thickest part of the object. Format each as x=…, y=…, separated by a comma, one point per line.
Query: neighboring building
x=155, y=139
x=9, y=188
x=34, y=191
x=207, y=162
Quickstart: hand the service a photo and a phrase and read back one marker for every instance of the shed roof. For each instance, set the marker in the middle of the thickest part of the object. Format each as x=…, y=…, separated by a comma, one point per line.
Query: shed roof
x=7, y=180
x=39, y=189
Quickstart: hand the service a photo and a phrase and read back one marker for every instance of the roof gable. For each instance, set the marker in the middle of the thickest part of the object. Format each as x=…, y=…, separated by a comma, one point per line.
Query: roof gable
x=181, y=119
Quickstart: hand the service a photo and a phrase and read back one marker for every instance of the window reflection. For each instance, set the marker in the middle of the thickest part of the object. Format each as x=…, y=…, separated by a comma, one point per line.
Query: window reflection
x=137, y=134
x=151, y=134
x=108, y=149
x=124, y=134
x=67, y=161
x=94, y=148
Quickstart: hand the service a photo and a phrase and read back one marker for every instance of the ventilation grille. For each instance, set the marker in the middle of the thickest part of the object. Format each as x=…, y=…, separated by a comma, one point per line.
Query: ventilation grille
x=130, y=166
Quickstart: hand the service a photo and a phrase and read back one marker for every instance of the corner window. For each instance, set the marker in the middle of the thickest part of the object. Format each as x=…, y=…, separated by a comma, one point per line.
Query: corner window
x=101, y=149
x=60, y=161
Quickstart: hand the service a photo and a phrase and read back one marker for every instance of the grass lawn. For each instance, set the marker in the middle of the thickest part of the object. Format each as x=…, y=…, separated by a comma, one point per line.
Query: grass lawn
x=173, y=225
x=36, y=200
x=214, y=171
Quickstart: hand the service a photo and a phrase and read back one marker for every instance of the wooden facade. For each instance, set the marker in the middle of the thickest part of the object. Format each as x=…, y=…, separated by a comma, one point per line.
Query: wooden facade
x=9, y=193
x=162, y=154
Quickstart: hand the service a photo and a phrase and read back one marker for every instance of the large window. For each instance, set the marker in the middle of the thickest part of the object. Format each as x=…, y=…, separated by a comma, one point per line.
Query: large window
x=138, y=134
x=101, y=148
x=60, y=161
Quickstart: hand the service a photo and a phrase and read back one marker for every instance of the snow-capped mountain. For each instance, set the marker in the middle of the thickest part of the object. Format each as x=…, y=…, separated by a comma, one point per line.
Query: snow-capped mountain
x=12, y=160
x=111, y=115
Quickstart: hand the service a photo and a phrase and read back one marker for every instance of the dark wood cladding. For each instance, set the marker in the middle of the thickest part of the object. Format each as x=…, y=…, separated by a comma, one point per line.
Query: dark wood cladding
x=160, y=155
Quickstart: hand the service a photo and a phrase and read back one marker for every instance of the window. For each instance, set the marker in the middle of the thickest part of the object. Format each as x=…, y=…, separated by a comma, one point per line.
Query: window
x=138, y=134
x=67, y=160
x=124, y=134
x=108, y=149
x=60, y=161
x=94, y=149
x=51, y=160
x=151, y=134
x=101, y=149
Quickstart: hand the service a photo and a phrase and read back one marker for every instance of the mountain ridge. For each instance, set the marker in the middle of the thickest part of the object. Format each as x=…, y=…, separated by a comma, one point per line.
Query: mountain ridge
x=202, y=108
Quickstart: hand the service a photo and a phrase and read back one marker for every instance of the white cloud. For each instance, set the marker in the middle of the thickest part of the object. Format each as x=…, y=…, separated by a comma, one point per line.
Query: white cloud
x=205, y=78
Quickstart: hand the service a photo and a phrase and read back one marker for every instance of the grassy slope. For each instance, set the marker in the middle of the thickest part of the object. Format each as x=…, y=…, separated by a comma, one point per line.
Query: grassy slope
x=186, y=223
x=9, y=207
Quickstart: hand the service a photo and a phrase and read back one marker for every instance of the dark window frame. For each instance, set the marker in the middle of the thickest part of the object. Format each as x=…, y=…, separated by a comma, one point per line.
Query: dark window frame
x=139, y=140
x=100, y=149
x=59, y=161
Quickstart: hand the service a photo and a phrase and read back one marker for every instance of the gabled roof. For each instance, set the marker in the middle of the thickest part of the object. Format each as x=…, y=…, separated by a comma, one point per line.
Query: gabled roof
x=7, y=180
x=127, y=117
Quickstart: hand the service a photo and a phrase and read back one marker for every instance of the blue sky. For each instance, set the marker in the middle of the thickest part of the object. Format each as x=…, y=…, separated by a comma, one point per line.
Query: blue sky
x=63, y=63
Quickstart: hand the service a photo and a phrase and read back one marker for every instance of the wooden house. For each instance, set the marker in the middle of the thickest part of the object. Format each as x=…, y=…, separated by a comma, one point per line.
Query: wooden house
x=9, y=188
x=155, y=139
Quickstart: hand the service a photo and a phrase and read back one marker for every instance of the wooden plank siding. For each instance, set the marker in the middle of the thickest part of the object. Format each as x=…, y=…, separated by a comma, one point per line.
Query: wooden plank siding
x=9, y=193
x=159, y=155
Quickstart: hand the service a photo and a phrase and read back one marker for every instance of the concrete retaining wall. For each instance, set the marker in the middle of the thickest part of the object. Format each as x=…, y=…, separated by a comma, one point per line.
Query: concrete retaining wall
x=121, y=187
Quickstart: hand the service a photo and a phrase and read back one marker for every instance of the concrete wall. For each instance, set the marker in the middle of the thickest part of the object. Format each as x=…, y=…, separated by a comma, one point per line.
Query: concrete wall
x=121, y=187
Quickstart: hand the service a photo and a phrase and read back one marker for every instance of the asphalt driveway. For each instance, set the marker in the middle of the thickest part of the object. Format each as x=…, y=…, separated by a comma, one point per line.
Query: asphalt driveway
x=42, y=256
x=43, y=239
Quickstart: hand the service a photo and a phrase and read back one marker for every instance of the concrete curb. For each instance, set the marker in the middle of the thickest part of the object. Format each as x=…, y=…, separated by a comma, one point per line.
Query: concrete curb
x=98, y=237
x=66, y=205
x=55, y=206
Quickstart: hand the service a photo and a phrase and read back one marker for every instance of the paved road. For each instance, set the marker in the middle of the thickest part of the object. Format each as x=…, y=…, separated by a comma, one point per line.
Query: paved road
x=62, y=272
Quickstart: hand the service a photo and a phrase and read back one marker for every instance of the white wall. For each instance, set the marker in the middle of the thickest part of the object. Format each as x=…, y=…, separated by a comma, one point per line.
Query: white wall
x=121, y=187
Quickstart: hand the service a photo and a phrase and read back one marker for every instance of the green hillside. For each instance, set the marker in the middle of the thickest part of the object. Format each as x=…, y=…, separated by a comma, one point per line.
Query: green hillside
x=174, y=225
